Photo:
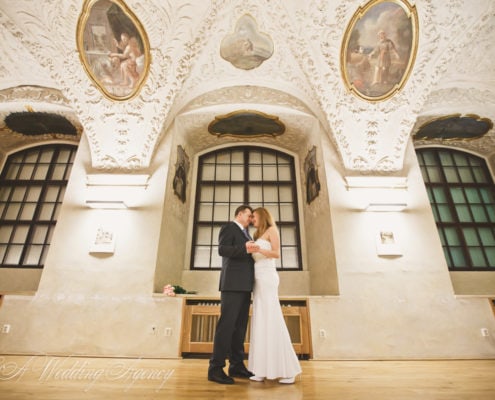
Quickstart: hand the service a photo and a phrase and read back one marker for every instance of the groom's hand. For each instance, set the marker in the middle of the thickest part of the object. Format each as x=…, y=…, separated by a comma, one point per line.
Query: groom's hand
x=252, y=247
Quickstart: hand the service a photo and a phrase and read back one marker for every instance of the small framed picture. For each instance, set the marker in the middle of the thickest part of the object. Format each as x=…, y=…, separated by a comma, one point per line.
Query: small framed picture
x=104, y=242
x=386, y=243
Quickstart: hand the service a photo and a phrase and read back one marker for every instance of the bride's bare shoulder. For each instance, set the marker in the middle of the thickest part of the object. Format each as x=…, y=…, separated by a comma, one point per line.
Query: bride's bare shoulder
x=270, y=233
x=272, y=230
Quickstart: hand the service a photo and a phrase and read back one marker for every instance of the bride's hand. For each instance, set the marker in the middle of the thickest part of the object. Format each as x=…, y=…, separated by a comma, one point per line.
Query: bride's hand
x=252, y=247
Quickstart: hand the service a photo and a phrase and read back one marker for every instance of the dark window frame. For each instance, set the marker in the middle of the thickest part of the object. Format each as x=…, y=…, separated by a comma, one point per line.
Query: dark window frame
x=42, y=192
x=245, y=183
x=452, y=179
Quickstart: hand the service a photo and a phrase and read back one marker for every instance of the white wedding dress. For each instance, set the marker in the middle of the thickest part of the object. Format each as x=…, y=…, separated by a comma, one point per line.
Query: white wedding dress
x=271, y=354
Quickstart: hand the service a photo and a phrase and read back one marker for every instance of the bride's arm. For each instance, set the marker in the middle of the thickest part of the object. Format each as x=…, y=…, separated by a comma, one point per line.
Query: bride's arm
x=274, y=238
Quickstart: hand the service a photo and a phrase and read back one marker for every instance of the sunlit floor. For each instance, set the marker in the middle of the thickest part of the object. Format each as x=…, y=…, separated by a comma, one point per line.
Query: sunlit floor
x=66, y=378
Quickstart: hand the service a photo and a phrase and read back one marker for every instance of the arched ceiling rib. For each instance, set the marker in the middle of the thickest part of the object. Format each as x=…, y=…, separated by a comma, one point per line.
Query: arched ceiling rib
x=453, y=72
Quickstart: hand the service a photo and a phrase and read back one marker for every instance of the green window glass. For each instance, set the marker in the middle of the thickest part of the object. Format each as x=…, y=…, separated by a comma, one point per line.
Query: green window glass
x=462, y=196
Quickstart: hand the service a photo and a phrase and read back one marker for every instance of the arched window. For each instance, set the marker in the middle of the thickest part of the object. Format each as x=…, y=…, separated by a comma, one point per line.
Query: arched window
x=256, y=176
x=32, y=187
x=462, y=197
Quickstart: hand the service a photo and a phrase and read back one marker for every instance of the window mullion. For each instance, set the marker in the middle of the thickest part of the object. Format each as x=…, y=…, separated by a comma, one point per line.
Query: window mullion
x=246, y=174
x=233, y=186
x=473, y=202
x=450, y=200
x=25, y=167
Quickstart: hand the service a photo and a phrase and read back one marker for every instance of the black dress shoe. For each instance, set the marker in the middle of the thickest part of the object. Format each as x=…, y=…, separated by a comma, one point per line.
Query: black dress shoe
x=240, y=372
x=218, y=375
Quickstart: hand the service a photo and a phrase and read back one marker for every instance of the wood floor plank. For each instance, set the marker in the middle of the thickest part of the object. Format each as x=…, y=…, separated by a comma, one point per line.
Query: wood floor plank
x=76, y=378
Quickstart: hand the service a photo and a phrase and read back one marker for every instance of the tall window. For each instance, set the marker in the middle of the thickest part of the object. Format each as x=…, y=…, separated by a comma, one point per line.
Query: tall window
x=462, y=196
x=256, y=176
x=32, y=187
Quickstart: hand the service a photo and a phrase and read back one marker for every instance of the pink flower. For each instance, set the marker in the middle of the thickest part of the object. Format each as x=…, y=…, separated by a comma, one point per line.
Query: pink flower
x=169, y=290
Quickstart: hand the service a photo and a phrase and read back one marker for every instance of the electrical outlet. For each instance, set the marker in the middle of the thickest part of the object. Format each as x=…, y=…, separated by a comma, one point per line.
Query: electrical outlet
x=323, y=333
x=168, y=331
x=6, y=328
x=484, y=332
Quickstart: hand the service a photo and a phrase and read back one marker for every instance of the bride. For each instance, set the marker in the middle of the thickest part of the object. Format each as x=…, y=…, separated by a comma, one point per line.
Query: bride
x=271, y=354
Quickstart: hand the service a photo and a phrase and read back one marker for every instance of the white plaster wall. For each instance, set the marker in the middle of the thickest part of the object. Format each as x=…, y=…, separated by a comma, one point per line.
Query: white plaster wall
x=387, y=307
x=173, y=237
x=93, y=325
x=99, y=304
x=394, y=307
x=475, y=283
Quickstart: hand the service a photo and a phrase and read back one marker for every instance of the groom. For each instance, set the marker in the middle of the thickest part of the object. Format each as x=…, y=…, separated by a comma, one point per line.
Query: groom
x=236, y=285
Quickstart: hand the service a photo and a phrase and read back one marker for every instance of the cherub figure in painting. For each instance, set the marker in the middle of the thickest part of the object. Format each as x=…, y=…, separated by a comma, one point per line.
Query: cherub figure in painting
x=131, y=59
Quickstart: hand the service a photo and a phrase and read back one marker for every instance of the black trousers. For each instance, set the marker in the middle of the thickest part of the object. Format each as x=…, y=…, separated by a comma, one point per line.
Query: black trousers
x=230, y=331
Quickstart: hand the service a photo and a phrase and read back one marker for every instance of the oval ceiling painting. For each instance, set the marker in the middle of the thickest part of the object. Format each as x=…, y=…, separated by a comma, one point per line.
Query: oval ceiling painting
x=113, y=47
x=379, y=48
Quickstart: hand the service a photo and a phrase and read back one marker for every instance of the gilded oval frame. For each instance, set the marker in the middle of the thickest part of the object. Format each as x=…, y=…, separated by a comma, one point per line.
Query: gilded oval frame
x=379, y=49
x=113, y=47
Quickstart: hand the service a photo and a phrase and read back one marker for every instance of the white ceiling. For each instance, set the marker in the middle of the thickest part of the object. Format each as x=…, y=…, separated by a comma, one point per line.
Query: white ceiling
x=189, y=83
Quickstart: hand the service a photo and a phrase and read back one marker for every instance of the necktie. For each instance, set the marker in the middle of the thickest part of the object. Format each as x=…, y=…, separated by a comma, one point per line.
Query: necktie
x=246, y=233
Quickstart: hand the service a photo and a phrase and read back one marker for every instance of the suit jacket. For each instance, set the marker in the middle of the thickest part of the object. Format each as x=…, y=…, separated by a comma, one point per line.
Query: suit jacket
x=237, y=264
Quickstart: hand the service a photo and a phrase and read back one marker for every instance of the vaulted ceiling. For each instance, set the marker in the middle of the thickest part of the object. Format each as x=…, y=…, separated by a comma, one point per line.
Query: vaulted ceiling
x=192, y=81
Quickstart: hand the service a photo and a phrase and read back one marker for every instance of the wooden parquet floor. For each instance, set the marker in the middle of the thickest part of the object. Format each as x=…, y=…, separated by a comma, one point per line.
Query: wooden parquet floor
x=78, y=378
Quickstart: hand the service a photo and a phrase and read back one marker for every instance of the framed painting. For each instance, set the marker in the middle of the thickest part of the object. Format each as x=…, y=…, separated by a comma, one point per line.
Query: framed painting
x=312, y=181
x=113, y=48
x=379, y=48
x=453, y=127
x=246, y=123
x=247, y=47
x=181, y=171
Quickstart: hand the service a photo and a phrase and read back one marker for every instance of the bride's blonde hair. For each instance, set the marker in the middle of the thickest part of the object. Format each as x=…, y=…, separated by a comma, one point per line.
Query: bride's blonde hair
x=265, y=221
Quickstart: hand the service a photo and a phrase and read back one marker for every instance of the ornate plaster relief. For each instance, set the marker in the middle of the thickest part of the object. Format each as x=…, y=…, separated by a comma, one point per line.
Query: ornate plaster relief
x=186, y=66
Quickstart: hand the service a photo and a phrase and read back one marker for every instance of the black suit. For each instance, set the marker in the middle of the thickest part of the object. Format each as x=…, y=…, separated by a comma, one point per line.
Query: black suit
x=236, y=285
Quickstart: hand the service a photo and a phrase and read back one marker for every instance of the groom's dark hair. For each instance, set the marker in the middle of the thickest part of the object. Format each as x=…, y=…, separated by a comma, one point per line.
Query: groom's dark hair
x=240, y=209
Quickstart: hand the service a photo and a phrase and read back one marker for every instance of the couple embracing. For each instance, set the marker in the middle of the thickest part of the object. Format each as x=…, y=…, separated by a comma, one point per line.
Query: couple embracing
x=249, y=266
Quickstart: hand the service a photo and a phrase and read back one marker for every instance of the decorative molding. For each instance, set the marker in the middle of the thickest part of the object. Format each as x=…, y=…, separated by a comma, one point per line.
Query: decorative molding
x=454, y=97
x=247, y=95
x=38, y=99
x=193, y=128
x=29, y=94
x=303, y=74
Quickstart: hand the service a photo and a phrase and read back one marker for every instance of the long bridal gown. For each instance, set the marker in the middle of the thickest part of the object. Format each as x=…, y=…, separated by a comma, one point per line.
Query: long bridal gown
x=271, y=354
